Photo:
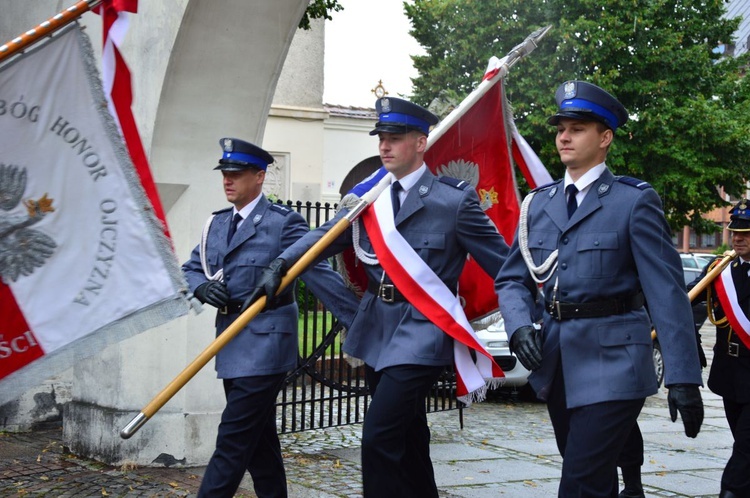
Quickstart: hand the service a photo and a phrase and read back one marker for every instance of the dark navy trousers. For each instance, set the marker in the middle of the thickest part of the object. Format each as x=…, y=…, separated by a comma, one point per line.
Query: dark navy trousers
x=247, y=440
x=590, y=439
x=395, y=436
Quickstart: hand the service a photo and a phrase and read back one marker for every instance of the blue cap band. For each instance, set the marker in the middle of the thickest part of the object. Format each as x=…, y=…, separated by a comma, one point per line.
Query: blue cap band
x=245, y=158
x=405, y=119
x=587, y=105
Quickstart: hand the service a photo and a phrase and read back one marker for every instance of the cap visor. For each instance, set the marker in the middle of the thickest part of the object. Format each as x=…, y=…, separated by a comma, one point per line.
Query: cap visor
x=579, y=115
x=394, y=128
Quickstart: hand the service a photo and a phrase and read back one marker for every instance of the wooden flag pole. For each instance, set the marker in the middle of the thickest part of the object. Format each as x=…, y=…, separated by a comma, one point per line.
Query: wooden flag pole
x=236, y=327
x=46, y=28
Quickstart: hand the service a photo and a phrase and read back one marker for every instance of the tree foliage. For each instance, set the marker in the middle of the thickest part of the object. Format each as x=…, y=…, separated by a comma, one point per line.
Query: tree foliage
x=689, y=131
x=319, y=9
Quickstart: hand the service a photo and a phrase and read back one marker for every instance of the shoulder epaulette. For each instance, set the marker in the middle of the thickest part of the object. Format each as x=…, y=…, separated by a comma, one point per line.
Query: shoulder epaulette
x=280, y=208
x=222, y=210
x=633, y=182
x=546, y=186
x=454, y=182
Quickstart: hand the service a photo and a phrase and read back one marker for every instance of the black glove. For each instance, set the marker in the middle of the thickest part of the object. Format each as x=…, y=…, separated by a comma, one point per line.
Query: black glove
x=701, y=353
x=686, y=398
x=526, y=344
x=212, y=292
x=267, y=284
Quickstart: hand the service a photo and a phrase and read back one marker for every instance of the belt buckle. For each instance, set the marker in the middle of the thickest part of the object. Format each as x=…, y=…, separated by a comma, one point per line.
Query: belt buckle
x=733, y=349
x=224, y=311
x=387, y=293
x=554, y=310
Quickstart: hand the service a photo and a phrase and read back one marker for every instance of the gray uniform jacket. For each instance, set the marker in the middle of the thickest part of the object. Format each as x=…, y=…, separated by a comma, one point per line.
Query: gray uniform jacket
x=442, y=223
x=269, y=343
x=616, y=244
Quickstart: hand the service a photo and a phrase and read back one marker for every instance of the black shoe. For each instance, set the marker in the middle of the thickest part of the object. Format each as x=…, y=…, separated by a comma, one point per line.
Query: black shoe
x=728, y=494
x=637, y=493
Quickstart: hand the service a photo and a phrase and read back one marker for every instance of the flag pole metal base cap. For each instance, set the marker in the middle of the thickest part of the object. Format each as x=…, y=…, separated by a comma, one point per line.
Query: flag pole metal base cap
x=133, y=426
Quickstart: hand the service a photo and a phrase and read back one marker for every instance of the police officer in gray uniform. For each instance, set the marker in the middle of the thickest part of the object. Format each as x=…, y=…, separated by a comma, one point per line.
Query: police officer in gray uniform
x=403, y=351
x=223, y=270
x=600, y=246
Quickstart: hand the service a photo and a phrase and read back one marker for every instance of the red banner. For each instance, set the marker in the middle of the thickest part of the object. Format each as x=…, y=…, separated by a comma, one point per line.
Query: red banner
x=476, y=149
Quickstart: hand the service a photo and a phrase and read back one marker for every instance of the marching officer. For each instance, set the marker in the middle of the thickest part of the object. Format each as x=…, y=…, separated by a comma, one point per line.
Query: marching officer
x=223, y=271
x=436, y=222
x=728, y=300
x=600, y=246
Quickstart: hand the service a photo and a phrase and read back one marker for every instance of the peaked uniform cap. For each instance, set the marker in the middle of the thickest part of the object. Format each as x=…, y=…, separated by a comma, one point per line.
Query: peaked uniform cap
x=400, y=116
x=240, y=155
x=739, y=217
x=586, y=101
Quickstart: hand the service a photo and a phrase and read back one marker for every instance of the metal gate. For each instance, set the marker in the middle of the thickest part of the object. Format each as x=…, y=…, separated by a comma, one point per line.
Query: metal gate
x=325, y=390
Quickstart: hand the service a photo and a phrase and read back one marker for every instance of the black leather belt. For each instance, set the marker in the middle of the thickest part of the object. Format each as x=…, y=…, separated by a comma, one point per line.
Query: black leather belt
x=234, y=307
x=735, y=350
x=564, y=311
x=388, y=293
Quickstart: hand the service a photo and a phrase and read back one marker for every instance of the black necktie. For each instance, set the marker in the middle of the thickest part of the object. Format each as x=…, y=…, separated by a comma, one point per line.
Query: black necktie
x=233, y=227
x=395, y=201
x=571, y=190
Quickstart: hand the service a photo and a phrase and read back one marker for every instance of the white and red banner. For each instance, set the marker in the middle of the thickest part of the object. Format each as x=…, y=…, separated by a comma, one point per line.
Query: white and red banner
x=84, y=261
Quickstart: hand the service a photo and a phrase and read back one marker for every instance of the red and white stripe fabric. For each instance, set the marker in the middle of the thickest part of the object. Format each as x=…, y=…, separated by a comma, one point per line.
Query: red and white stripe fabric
x=727, y=295
x=119, y=94
x=528, y=162
x=524, y=156
x=426, y=292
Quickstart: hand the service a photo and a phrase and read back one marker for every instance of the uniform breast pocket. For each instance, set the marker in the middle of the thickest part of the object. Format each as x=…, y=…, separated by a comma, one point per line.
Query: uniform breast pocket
x=542, y=244
x=423, y=242
x=250, y=264
x=597, y=255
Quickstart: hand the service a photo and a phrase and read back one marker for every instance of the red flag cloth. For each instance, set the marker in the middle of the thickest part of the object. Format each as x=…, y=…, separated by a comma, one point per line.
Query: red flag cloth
x=476, y=149
x=118, y=89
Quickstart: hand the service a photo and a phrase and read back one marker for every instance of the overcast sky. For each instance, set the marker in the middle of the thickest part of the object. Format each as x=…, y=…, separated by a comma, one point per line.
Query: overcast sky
x=366, y=42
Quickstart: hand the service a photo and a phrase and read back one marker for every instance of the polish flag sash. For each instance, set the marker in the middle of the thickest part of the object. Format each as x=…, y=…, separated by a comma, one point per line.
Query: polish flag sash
x=426, y=292
x=727, y=295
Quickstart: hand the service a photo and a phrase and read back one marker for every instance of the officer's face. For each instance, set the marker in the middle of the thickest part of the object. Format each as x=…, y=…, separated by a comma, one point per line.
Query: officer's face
x=741, y=244
x=242, y=187
x=402, y=153
x=581, y=144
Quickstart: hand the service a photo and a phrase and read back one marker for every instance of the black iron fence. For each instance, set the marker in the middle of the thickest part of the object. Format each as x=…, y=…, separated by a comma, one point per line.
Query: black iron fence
x=326, y=390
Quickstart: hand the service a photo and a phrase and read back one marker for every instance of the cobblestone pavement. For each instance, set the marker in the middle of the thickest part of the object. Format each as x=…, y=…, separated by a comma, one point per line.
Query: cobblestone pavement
x=506, y=448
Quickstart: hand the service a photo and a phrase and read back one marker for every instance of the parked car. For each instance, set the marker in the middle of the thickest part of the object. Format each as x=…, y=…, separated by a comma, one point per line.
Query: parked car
x=693, y=263
x=692, y=266
x=492, y=335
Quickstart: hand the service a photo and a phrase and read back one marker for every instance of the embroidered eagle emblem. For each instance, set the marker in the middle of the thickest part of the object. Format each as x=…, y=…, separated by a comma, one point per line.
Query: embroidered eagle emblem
x=22, y=249
x=469, y=172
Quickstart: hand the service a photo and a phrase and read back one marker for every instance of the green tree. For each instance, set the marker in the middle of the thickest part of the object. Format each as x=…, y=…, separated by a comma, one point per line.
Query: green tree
x=689, y=130
x=319, y=9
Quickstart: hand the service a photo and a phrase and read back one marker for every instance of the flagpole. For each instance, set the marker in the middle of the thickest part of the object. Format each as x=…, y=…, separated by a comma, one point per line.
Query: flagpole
x=239, y=324
x=47, y=27
x=519, y=51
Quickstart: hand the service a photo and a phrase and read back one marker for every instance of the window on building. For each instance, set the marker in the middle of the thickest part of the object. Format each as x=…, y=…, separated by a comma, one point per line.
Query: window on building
x=708, y=240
